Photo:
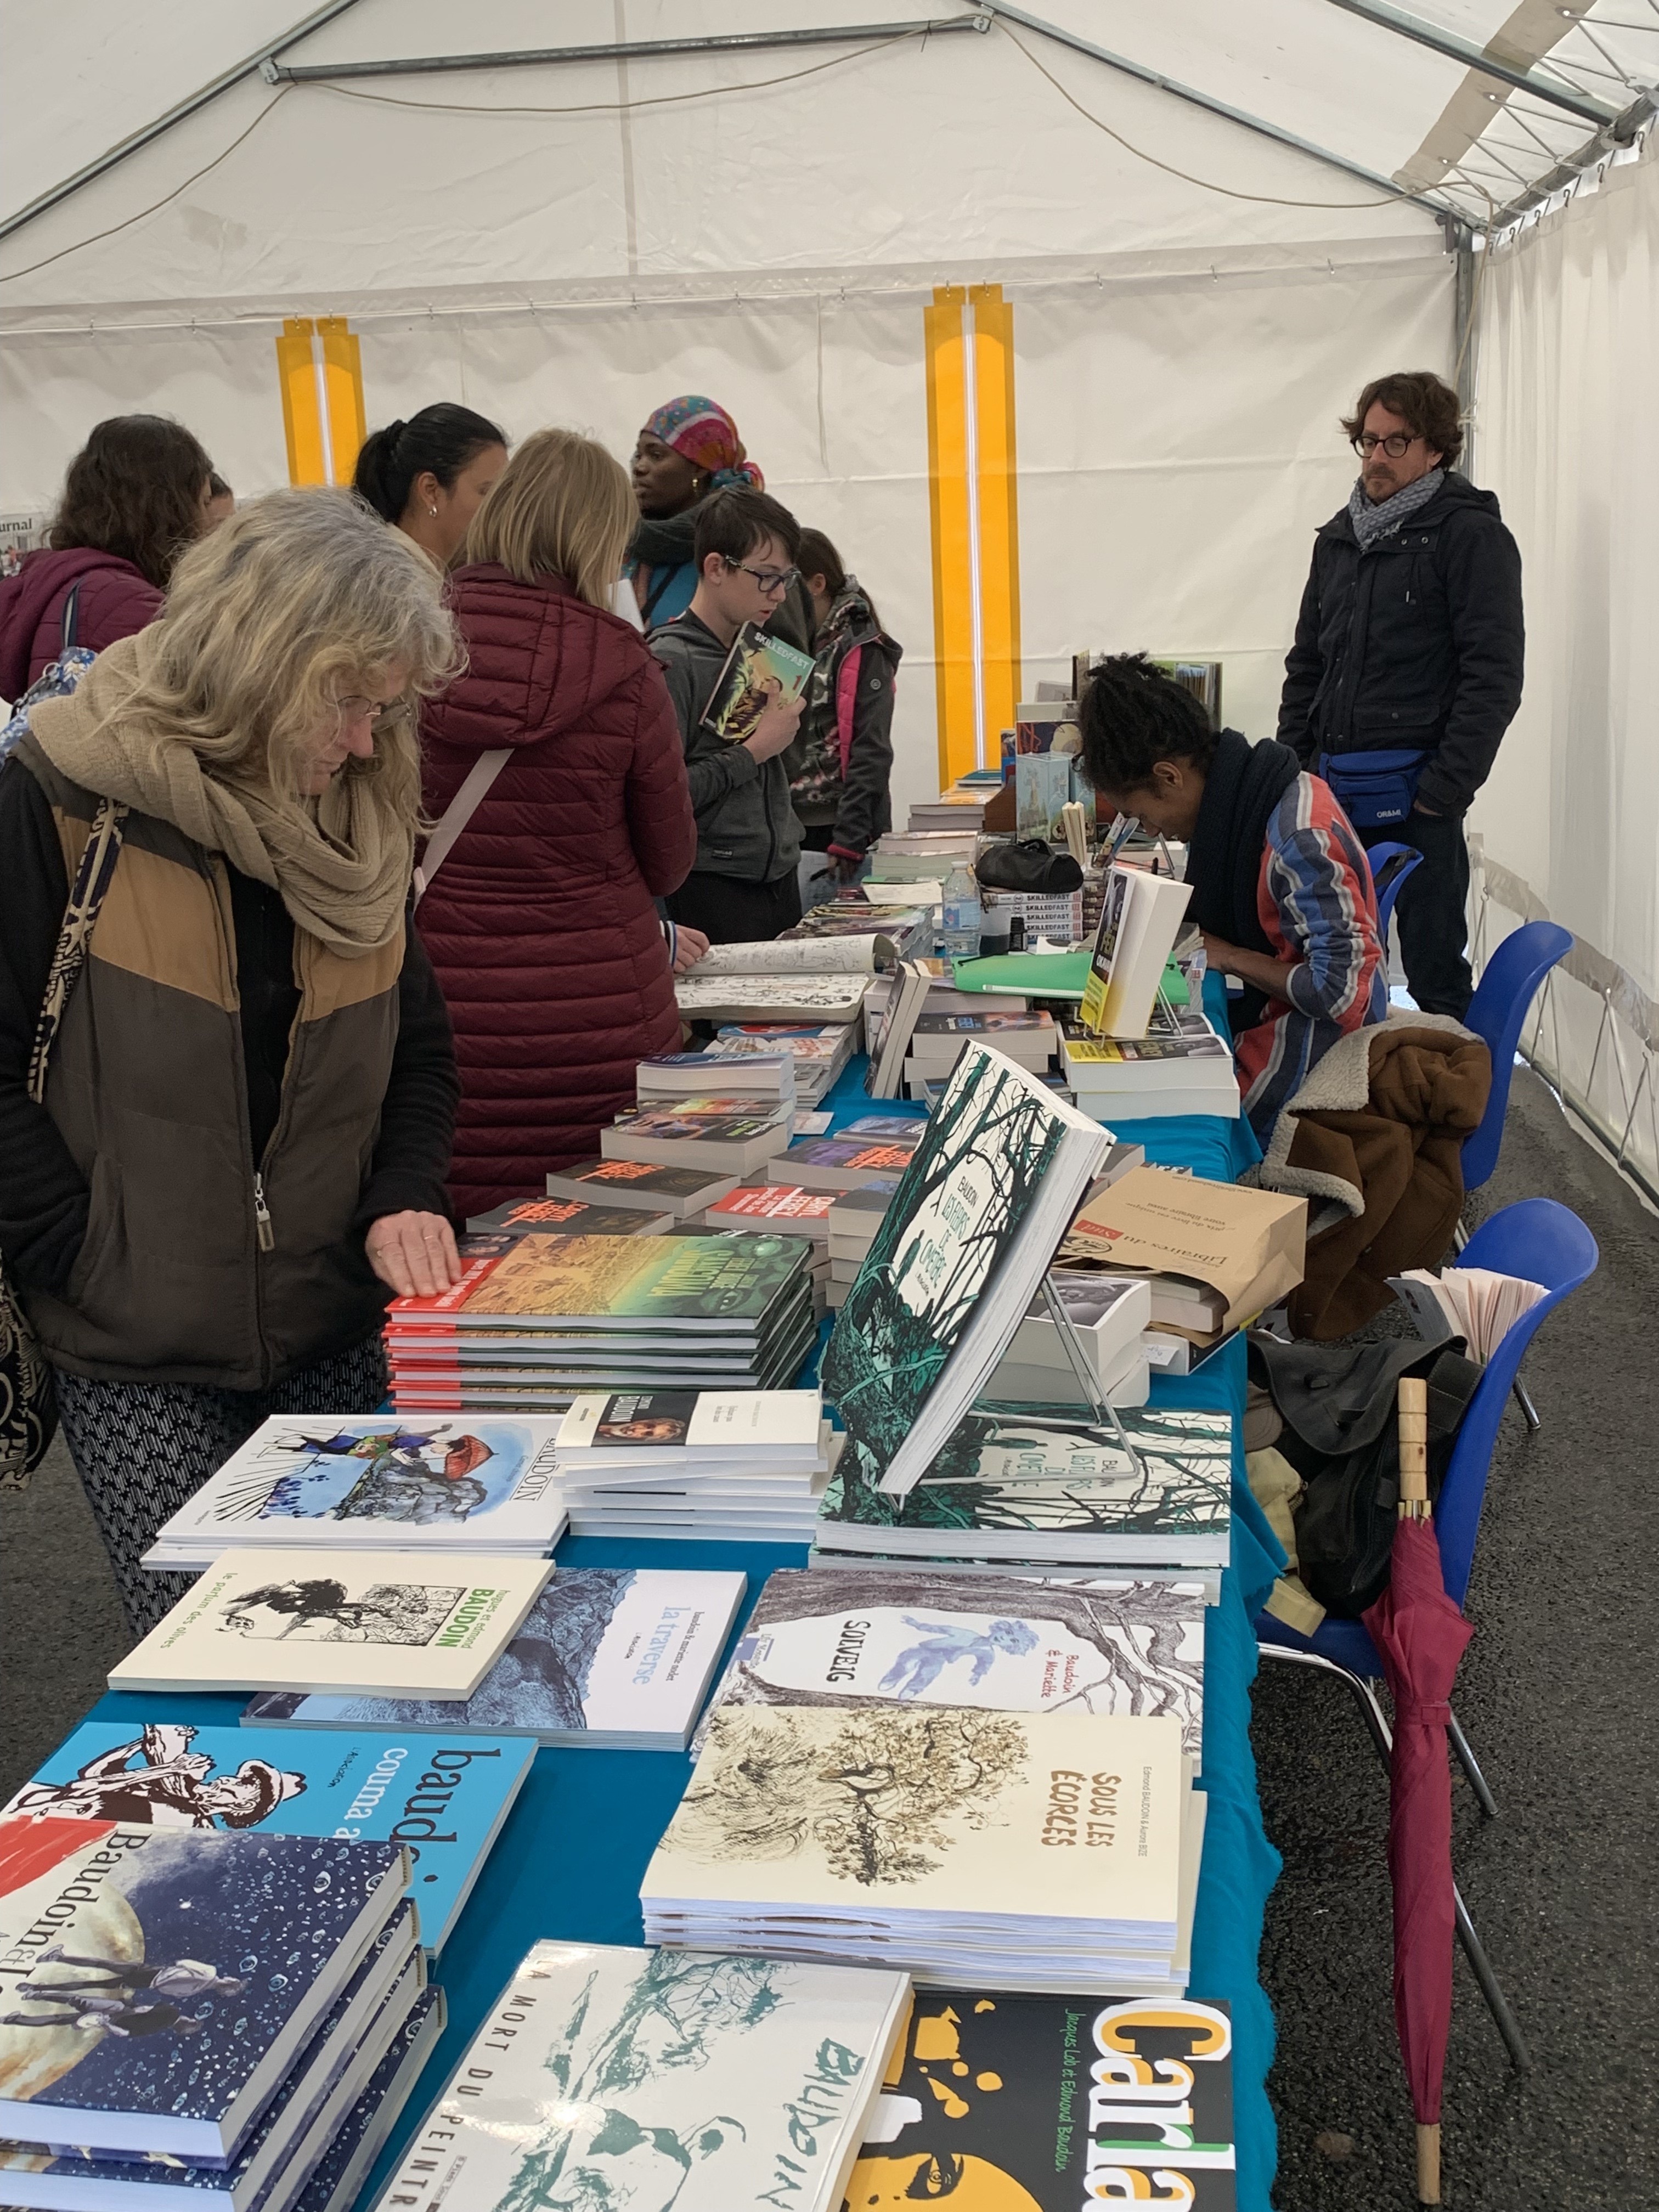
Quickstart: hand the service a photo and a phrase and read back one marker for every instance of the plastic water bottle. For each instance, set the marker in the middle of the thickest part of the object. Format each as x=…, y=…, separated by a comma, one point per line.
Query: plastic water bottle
x=963, y=916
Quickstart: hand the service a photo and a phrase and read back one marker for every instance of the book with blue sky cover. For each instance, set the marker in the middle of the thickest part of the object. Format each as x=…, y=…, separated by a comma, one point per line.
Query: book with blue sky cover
x=156, y=1989
x=609, y=1657
x=954, y=1263
x=619, y=2077
x=445, y=1800
x=473, y=1484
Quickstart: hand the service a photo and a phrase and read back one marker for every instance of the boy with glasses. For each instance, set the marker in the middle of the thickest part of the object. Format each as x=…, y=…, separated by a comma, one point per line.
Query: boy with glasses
x=744, y=885
x=1406, y=666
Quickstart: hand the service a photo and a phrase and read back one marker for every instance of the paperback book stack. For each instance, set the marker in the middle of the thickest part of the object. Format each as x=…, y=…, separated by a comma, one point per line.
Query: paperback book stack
x=772, y=1209
x=608, y=1658
x=727, y=1136
x=499, y=1230
x=212, y=2012
x=711, y=1464
x=904, y=916
x=1045, y=1490
x=937, y=1041
x=341, y=1482
x=958, y=812
x=1104, y=1326
x=770, y=1076
x=819, y=1052
x=928, y=1840
x=854, y=1218
x=167, y=1774
x=606, y=2077
x=875, y=1145
x=557, y=1316
x=1182, y=1066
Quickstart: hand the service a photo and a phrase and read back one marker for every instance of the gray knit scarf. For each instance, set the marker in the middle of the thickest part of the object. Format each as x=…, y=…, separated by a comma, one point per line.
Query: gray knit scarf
x=1373, y=522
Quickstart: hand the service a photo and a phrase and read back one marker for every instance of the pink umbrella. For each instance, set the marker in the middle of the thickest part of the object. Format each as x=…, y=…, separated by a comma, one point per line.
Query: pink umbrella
x=1419, y=1636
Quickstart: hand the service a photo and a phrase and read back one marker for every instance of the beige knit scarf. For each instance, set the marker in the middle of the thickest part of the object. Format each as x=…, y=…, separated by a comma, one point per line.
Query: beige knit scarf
x=341, y=863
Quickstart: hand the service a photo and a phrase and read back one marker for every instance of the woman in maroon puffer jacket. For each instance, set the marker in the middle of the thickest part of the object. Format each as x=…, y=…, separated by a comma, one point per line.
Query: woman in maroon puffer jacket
x=541, y=923
x=135, y=498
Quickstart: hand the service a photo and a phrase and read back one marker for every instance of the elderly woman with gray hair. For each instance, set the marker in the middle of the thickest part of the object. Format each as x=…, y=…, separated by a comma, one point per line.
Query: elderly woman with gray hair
x=240, y=1144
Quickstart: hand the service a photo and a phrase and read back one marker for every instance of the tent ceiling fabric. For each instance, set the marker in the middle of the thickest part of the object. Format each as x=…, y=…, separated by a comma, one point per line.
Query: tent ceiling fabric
x=960, y=148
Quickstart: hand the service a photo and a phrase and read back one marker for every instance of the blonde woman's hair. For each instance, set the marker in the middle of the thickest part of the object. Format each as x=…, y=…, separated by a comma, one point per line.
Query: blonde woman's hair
x=561, y=506
x=296, y=601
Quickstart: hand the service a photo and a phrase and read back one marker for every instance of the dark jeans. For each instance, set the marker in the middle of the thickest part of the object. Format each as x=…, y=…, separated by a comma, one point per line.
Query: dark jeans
x=1432, y=911
x=731, y=912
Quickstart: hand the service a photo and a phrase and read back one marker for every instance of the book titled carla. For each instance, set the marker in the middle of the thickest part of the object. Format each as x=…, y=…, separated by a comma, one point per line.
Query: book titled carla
x=565, y=1217
x=673, y=1191
x=155, y=1990
x=618, y=2077
x=608, y=1658
x=1053, y=2103
x=396, y=1624
x=163, y=1774
x=760, y=672
x=461, y=1486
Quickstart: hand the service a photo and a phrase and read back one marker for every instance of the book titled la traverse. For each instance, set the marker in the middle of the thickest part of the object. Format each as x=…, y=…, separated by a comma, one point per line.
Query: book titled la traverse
x=760, y=672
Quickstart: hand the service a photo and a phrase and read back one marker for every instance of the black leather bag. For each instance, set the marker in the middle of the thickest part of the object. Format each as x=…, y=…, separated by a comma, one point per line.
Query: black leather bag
x=1027, y=865
x=1339, y=1404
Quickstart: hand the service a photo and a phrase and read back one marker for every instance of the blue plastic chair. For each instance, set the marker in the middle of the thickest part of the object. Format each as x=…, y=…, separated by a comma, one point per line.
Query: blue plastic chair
x=1508, y=985
x=1390, y=865
x=1547, y=1244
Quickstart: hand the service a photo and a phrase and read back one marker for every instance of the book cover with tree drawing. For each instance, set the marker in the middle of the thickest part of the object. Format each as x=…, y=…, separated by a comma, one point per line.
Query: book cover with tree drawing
x=957, y=1210
x=894, y=1816
x=611, y=2077
x=873, y=1637
x=1048, y=1472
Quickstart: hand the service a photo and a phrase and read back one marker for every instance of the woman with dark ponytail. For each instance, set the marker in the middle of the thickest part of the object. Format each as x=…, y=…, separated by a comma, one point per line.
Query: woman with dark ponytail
x=429, y=475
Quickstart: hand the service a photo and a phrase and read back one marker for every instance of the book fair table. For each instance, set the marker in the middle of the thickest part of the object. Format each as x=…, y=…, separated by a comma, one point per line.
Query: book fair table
x=572, y=1854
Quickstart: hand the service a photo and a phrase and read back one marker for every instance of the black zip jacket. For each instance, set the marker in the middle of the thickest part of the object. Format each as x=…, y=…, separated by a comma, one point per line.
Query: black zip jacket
x=1419, y=643
x=746, y=827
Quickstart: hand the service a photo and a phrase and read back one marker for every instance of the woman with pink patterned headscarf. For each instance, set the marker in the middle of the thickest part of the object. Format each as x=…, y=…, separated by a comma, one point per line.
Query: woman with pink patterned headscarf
x=687, y=449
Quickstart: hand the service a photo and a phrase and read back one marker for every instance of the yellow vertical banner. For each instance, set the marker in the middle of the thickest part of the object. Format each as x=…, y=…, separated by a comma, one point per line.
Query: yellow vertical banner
x=303, y=420
x=343, y=389
x=952, y=535
x=997, y=506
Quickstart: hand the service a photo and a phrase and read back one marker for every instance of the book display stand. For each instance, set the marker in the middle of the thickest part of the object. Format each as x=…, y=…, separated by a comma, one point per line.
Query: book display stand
x=1106, y=1417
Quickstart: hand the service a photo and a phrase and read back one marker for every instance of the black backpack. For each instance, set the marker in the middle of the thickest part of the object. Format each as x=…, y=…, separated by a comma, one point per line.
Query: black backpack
x=1339, y=1405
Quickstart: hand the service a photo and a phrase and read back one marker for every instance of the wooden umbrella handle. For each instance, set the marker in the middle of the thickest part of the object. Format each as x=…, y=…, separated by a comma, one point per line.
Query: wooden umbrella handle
x=1413, y=1448
x=1428, y=2163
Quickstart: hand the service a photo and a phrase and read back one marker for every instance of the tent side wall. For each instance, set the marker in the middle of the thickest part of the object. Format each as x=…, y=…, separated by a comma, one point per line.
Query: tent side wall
x=1568, y=825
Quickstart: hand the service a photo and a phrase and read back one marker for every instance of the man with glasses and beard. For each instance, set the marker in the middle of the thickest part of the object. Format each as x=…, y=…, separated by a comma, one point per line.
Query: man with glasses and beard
x=744, y=885
x=1406, y=666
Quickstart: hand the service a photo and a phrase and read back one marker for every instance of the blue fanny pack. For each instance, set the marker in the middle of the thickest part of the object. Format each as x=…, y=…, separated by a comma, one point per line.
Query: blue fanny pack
x=1375, y=790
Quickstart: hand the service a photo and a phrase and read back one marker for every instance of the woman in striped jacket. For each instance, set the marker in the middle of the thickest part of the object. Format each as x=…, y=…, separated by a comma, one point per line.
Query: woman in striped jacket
x=1281, y=886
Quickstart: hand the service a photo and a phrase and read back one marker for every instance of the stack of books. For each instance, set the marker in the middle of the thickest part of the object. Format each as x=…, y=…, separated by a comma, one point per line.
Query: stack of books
x=771, y=1209
x=527, y=1331
x=532, y=1215
x=927, y=1838
x=875, y=1145
x=709, y=1463
x=819, y=1052
x=1182, y=1065
x=667, y=1194
x=168, y=1776
x=937, y=1042
x=854, y=1218
x=389, y=1624
x=898, y=912
x=958, y=812
x=1109, y=1319
x=608, y=1658
x=1042, y=1490
x=726, y=1135
x=752, y=1076
x=211, y=2011
x=606, y=2077
x=886, y=1636
x=351, y=1481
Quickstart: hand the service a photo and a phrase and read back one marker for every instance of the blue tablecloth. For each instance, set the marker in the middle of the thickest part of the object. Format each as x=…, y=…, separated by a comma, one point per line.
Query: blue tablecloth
x=571, y=1857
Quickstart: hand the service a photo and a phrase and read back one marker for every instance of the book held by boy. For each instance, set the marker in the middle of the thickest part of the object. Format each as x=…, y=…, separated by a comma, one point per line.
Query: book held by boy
x=761, y=671
x=608, y=1658
x=610, y=2076
x=167, y=1774
x=162, y=2015
x=390, y=1623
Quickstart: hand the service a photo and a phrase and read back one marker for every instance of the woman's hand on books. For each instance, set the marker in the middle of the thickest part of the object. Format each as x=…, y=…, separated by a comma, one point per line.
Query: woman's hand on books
x=776, y=730
x=413, y=1254
x=689, y=947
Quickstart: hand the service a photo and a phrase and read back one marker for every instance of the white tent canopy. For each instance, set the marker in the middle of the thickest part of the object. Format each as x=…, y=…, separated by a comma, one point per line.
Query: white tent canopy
x=1195, y=299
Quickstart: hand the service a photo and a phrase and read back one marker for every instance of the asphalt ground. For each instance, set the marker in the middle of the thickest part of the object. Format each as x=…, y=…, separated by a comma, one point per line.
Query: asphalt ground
x=1556, y=1693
